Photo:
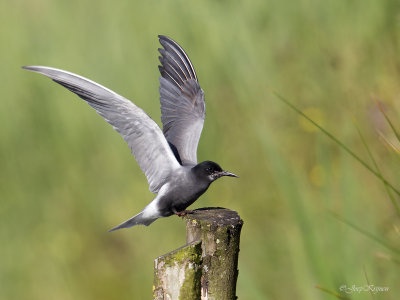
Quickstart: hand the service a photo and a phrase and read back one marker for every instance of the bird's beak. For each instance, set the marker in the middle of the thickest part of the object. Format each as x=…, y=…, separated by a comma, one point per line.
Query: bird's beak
x=226, y=173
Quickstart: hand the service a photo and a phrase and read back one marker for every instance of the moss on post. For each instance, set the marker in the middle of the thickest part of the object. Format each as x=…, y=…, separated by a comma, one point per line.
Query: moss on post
x=177, y=275
x=219, y=230
x=205, y=268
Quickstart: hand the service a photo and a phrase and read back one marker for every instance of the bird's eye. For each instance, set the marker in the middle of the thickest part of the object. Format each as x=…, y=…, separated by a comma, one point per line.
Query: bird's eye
x=209, y=170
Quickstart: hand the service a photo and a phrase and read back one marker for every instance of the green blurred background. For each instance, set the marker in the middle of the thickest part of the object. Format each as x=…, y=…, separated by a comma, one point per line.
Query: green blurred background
x=66, y=177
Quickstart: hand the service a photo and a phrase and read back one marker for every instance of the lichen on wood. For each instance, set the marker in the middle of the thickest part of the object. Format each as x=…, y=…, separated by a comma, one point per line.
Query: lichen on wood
x=219, y=230
x=177, y=274
x=205, y=268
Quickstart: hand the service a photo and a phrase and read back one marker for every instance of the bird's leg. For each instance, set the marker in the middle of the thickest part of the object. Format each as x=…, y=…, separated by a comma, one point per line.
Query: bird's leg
x=183, y=213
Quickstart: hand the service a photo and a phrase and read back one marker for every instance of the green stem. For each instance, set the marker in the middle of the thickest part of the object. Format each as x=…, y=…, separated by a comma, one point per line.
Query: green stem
x=396, y=206
x=390, y=122
x=366, y=233
x=331, y=292
x=338, y=142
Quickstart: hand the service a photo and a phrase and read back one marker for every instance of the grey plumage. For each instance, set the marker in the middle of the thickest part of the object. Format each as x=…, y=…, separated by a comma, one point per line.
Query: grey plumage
x=168, y=158
x=182, y=101
x=141, y=133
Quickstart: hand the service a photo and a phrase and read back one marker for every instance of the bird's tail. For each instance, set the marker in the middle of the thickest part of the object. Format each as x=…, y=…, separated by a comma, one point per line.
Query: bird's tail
x=136, y=220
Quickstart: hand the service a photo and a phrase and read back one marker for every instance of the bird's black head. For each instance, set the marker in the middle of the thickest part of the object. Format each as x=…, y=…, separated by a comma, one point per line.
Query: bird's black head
x=210, y=171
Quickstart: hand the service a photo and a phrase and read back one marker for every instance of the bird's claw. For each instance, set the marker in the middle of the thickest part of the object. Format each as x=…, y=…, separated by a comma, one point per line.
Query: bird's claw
x=183, y=213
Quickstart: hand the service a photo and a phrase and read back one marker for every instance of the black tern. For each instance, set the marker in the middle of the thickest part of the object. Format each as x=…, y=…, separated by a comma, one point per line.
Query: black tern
x=168, y=158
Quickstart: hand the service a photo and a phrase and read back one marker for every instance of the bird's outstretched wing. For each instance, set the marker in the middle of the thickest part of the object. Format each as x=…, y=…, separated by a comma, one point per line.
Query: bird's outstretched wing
x=142, y=134
x=182, y=101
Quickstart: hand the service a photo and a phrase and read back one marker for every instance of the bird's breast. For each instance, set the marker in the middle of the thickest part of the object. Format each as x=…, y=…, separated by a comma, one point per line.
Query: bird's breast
x=182, y=193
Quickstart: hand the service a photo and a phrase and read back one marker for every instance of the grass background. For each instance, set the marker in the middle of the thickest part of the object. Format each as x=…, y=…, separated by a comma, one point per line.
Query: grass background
x=66, y=177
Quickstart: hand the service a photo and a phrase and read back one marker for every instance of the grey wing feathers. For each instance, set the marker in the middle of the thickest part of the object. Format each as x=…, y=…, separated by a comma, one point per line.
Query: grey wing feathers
x=142, y=134
x=182, y=101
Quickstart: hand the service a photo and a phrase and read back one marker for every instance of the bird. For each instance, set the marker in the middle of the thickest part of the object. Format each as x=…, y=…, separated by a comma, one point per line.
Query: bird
x=167, y=157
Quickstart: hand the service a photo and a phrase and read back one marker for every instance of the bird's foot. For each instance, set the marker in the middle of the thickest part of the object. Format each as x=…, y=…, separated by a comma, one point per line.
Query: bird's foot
x=183, y=213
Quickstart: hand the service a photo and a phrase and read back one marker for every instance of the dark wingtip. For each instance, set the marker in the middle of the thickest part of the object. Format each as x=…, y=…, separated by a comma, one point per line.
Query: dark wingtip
x=115, y=228
x=31, y=68
x=169, y=40
x=181, y=58
x=163, y=37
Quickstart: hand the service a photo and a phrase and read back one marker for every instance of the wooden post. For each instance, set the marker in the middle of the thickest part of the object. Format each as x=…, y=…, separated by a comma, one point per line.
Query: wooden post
x=219, y=230
x=206, y=268
x=177, y=274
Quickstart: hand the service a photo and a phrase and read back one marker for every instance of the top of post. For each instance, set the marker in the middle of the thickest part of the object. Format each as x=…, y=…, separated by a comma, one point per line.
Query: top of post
x=215, y=217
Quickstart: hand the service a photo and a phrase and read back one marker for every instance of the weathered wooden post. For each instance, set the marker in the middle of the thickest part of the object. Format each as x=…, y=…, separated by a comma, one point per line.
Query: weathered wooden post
x=177, y=274
x=205, y=268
